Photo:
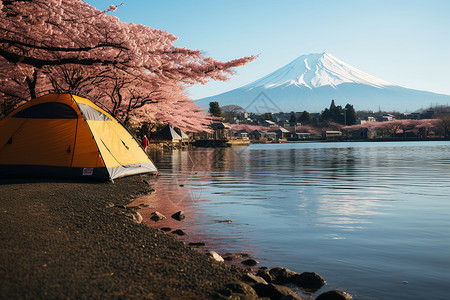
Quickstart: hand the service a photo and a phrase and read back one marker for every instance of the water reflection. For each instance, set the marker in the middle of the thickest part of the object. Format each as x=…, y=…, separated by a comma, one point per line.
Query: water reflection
x=350, y=211
x=332, y=186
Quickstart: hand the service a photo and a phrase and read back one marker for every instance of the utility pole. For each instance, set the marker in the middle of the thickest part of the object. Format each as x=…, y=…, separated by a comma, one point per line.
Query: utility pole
x=345, y=116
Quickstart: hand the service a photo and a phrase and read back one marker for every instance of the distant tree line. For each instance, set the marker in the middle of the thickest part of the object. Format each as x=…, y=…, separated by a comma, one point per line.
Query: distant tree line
x=337, y=114
x=334, y=113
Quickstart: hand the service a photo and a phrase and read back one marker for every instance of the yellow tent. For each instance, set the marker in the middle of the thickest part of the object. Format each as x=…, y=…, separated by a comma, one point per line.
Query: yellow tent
x=66, y=136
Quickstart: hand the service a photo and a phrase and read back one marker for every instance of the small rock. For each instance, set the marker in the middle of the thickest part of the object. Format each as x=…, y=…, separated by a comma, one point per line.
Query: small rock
x=133, y=207
x=181, y=185
x=264, y=273
x=146, y=182
x=198, y=244
x=241, y=290
x=137, y=218
x=215, y=256
x=179, y=232
x=179, y=216
x=334, y=295
x=230, y=257
x=144, y=205
x=309, y=280
x=250, y=262
x=131, y=214
x=274, y=291
x=282, y=275
x=120, y=206
x=157, y=216
x=253, y=279
x=225, y=221
x=224, y=294
x=166, y=229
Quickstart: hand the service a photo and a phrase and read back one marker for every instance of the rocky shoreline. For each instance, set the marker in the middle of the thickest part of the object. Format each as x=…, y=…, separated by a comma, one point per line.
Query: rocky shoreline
x=259, y=282
x=66, y=239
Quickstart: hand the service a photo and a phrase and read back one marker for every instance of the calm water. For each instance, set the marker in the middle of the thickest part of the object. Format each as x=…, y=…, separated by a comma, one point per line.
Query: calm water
x=372, y=218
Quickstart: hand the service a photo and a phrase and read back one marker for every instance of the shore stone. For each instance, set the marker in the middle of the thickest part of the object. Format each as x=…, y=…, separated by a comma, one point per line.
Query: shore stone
x=166, y=229
x=131, y=214
x=250, y=262
x=282, y=275
x=157, y=216
x=274, y=291
x=197, y=244
x=223, y=294
x=179, y=232
x=309, y=280
x=334, y=295
x=133, y=208
x=137, y=217
x=241, y=289
x=253, y=279
x=230, y=257
x=214, y=255
x=264, y=273
x=179, y=216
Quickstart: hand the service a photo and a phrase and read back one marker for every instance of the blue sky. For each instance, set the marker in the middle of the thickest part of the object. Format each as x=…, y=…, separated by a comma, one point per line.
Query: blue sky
x=403, y=42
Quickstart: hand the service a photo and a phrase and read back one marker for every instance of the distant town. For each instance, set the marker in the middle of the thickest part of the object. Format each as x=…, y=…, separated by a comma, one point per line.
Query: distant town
x=236, y=127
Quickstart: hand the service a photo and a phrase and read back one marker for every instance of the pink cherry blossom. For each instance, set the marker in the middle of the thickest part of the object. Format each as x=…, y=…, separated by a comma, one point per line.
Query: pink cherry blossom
x=134, y=70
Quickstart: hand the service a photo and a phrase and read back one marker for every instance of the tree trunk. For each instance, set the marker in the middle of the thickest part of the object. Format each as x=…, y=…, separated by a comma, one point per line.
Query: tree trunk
x=31, y=82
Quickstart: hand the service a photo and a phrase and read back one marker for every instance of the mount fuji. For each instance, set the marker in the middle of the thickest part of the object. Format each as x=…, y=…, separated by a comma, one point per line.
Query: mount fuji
x=311, y=81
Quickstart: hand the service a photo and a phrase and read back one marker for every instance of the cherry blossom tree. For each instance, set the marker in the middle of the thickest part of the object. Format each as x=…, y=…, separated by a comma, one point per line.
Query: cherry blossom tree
x=308, y=129
x=444, y=123
x=390, y=128
x=68, y=44
x=249, y=128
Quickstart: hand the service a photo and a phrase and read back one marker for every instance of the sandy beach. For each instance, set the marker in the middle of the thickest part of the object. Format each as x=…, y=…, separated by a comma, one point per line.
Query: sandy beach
x=65, y=239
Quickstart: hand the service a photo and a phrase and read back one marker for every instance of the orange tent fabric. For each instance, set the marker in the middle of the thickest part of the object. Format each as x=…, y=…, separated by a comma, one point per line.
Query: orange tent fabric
x=67, y=136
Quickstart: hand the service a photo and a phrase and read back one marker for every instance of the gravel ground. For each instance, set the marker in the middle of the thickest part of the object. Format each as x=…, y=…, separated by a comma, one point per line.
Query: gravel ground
x=64, y=239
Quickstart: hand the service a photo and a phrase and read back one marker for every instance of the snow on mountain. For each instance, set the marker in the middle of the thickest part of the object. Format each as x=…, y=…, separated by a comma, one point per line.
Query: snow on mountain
x=316, y=70
x=311, y=81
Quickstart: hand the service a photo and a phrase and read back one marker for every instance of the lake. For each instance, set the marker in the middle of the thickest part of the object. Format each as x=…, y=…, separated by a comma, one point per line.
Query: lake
x=372, y=218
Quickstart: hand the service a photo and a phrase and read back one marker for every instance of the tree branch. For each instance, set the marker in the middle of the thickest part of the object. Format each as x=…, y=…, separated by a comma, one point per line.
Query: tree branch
x=39, y=63
x=63, y=49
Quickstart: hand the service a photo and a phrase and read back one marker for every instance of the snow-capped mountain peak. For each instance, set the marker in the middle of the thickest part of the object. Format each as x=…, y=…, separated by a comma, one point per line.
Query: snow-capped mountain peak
x=311, y=81
x=316, y=70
